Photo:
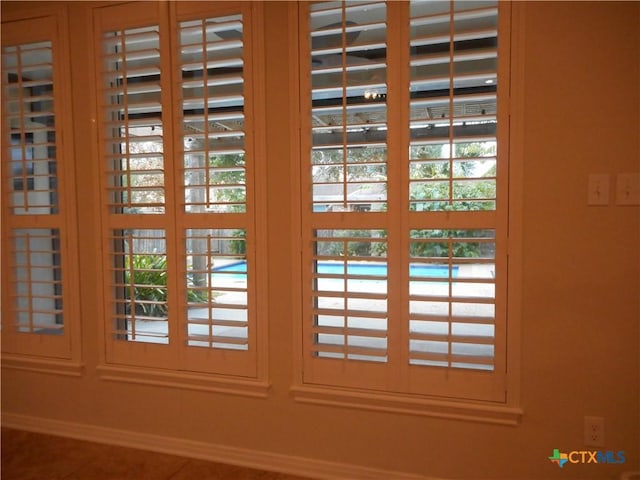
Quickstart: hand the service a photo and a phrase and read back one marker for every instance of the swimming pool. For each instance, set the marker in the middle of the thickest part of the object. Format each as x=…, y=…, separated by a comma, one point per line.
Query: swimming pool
x=374, y=269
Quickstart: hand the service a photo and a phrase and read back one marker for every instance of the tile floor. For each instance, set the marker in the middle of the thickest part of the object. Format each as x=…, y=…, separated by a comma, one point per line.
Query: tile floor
x=31, y=456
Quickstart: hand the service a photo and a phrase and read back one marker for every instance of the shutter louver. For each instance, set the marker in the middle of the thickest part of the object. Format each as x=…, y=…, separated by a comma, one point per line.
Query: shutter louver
x=37, y=274
x=139, y=292
x=217, y=292
x=29, y=114
x=453, y=84
x=349, y=106
x=452, y=297
x=350, y=295
x=211, y=56
x=133, y=121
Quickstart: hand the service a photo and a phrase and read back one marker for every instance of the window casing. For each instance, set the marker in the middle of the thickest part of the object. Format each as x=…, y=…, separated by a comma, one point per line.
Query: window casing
x=176, y=120
x=180, y=197
x=404, y=204
x=40, y=320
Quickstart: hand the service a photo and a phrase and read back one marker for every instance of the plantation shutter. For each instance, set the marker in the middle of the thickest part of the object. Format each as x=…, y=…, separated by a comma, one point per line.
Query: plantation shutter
x=217, y=212
x=37, y=210
x=346, y=332
x=134, y=111
x=177, y=147
x=456, y=323
x=404, y=260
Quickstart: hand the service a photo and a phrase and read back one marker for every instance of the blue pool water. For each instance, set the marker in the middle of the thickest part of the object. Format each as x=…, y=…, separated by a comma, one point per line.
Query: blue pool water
x=356, y=268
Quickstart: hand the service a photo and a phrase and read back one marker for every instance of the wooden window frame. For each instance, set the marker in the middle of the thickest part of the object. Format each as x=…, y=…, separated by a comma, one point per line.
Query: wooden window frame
x=175, y=364
x=61, y=353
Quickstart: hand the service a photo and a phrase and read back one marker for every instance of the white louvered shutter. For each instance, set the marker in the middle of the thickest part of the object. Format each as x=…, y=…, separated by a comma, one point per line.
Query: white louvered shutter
x=404, y=228
x=345, y=255
x=457, y=228
x=37, y=217
x=134, y=114
x=178, y=189
x=217, y=214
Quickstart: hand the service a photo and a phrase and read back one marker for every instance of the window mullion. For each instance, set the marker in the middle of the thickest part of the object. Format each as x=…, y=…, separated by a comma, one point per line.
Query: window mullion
x=397, y=217
x=175, y=273
x=502, y=191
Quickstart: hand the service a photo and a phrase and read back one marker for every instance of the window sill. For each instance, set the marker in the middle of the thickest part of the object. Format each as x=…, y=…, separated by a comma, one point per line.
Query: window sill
x=409, y=404
x=185, y=380
x=54, y=366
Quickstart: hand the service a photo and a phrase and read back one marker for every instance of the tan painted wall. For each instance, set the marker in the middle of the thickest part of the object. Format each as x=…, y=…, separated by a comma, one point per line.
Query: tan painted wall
x=580, y=291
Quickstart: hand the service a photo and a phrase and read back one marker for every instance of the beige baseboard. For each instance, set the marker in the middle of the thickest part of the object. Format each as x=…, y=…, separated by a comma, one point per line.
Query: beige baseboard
x=204, y=451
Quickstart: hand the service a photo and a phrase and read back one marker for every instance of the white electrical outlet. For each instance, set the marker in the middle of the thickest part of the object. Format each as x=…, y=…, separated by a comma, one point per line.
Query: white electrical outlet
x=594, y=431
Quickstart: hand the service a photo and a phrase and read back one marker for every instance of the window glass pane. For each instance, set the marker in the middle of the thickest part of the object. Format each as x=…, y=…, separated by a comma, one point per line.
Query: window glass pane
x=212, y=73
x=217, y=288
x=453, y=85
x=452, y=298
x=139, y=276
x=350, y=294
x=349, y=106
x=28, y=96
x=132, y=121
x=37, y=281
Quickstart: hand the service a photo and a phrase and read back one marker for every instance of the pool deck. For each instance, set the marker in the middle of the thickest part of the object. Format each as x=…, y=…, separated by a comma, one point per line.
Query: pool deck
x=474, y=291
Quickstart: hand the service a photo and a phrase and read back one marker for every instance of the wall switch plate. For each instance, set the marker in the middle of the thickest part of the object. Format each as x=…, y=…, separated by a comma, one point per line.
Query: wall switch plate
x=598, y=189
x=628, y=189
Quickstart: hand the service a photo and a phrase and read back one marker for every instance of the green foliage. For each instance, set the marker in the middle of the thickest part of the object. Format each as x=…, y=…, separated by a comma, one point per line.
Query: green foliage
x=150, y=285
x=354, y=248
x=430, y=195
x=459, y=249
x=238, y=246
x=363, y=163
x=231, y=173
x=468, y=195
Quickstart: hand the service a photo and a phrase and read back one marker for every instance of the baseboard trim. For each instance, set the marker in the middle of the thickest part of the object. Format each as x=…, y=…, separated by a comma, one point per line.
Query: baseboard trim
x=276, y=462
